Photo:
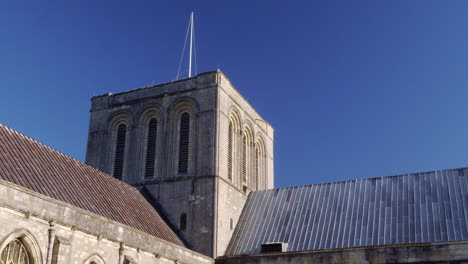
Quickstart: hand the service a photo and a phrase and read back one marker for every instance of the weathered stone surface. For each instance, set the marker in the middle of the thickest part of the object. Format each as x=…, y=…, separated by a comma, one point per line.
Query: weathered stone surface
x=455, y=252
x=204, y=194
x=79, y=234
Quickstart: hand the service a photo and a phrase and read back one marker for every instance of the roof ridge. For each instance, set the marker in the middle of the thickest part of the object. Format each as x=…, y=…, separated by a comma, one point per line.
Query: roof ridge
x=361, y=179
x=384, y=211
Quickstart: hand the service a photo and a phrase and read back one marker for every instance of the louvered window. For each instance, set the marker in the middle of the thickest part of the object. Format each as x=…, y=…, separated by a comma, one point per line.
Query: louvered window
x=151, y=148
x=120, y=150
x=15, y=253
x=256, y=167
x=184, y=140
x=244, y=158
x=229, y=167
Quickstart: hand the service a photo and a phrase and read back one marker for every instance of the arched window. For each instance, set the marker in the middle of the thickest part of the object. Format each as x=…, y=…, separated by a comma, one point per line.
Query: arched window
x=247, y=159
x=244, y=158
x=257, y=159
x=260, y=180
x=94, y=259
x=230, y=148
x=120, y=150
x=151, y=148
x=233, y=148
x=15, y=253
x=184, y=141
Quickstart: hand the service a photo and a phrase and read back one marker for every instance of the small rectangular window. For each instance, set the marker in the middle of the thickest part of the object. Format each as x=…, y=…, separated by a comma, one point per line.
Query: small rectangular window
x=274, y=247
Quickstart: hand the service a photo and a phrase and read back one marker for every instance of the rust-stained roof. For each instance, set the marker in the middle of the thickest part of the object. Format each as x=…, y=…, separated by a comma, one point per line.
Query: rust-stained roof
x=28, y=163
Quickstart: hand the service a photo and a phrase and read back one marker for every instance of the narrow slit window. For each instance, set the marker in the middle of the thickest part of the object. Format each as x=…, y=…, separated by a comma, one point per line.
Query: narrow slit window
x=229, y=167
x=256, y=167
x=120, y=150
x=184, y=141
x=151, y=148
x=183, y=222
x=244, y=158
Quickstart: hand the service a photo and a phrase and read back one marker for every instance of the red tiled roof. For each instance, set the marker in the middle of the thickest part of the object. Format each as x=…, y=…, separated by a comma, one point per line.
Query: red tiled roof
x=28, y=163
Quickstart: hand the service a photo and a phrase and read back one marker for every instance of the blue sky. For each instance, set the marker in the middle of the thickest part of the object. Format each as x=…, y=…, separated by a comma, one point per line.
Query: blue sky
x=354, y=89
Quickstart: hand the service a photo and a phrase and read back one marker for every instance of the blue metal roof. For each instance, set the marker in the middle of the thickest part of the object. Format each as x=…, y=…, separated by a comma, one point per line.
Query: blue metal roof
x=404, y=209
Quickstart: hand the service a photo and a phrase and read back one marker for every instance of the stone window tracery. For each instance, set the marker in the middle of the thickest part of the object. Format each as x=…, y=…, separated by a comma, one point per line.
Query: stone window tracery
x=15, y=253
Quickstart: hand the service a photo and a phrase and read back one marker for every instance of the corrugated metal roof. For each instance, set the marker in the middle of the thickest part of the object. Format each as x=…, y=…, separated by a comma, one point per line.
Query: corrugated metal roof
x=37, y=167
x=414, y=208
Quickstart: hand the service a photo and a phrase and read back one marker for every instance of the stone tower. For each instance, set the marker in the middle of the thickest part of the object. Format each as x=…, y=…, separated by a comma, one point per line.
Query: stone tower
x=195, y=147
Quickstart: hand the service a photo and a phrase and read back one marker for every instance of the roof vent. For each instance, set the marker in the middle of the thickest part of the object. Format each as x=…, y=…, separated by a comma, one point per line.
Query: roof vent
x=271, y=247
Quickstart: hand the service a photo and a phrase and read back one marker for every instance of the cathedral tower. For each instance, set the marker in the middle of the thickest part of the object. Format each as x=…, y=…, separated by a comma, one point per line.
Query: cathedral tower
x=195, y=147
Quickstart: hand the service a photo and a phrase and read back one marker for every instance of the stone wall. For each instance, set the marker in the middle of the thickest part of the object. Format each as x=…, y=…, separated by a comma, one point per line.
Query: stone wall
x=230, y=203
x=442, y=253
x=212, y=99
x=232, y=193
x=78, y=235
x=230, y=101
x=210, y=205
x=190, y=193
x=205, y=195
x=196, y=96
x=194, y=197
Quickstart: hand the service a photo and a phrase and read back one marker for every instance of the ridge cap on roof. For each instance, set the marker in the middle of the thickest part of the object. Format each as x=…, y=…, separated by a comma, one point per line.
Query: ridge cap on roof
x=362, y=179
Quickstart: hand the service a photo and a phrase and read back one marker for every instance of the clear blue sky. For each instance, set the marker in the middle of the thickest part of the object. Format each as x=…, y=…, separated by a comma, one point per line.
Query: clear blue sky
x=354, y=89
